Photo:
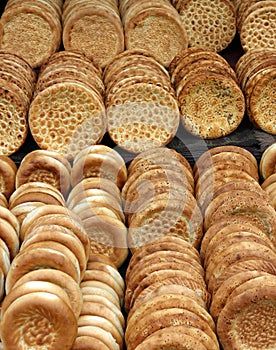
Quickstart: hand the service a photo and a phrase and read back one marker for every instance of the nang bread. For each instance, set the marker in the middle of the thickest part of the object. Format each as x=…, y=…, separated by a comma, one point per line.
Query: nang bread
x=157, y=30
x=198, y=16
x=44, y=34
x=219, y=102
x=142, y=116
x=85, y=128
x=82, y=22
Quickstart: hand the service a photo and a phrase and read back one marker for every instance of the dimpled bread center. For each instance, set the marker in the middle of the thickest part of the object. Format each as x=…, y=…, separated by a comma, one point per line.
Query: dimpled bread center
x=259, y=29
x=13, y=125
x=66, y=118
x=254, y=326
x=207, y=23
x=159, y=224
x=96, y=36
x=211, y=107
x=37, y=36
x=43, y=175
x=264, y=109
x=37, y=330
x=98, y=248
x=143, y=117
x=156, y=32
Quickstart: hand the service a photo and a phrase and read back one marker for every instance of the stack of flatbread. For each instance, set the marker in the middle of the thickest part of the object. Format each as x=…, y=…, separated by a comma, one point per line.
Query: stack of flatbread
x=98, y=174
x=67, y=113
x=220, y=165
x=238, y=246
x=211, y=101
x=93, y=27
x=208, y=23
x=42, y=286
x=267, y=170
x=45, y=166
x=252, y=294
x=32, y=195
x=8, y=170
x=32, y=29
x=153, y=26
x=256, y=24
x=256, y=72
x=101, y=322
x=166, y=298
x=17, y=81
x=43, y=177
x=159, y=200
x=9, y=244
x=142, y=109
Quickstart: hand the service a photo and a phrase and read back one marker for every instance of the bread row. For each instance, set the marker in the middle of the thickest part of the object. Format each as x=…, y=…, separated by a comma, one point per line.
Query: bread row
x=54, y=279
x=42, y=287
x=255, y=71
x=238, y=246
x=17, y=80
x=210, y=99
x=159, y=199
x=61, y=287
x=142, y=110
x=72, y=103
x=98, y=174
x=267, y=171
x=167, y=299
x=103, y=29
x=67, y=112
x=101, y=322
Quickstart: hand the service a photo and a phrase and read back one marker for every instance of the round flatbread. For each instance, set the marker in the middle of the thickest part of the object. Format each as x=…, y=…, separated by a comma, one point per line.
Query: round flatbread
x=41, y=313
x=53, y=131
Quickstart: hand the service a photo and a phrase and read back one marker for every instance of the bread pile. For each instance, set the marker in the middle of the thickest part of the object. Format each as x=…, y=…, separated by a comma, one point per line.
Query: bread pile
x=236, y=327
x=31, y=195
x=93, y=27
x=208, y=23
x=238, y=246
x=32, y=29
x=158, y=199
x=52, y=282
x=210, y=100
x=220, y=165
x=256, y=24
x=166, y=298
x=98, y=173
x=267, y=169
x=17, y=81
x=38, y=183
x=8, y=171
x=9, y=244
x=256, y=72
x=153, y=26
x=9, y=224
x=45, y=166
x=142, y=110
x=101, y=322
x=67, y=112
x=43, y=283
x=38, y=313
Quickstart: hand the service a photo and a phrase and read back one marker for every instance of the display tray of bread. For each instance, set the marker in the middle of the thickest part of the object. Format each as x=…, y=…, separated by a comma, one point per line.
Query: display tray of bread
x=137, y=175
